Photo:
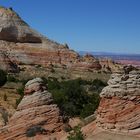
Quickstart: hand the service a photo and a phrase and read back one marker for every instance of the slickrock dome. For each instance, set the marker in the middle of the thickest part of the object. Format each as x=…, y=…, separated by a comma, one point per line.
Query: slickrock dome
x=14, y=29
x=119, y=109
x=36, y=116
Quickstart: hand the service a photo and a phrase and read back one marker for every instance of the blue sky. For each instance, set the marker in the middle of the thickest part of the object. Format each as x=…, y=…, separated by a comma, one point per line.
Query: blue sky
x=85, y=25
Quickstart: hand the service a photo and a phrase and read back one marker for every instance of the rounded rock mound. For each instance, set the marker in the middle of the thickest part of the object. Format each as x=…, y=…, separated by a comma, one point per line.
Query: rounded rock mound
x=36, y=116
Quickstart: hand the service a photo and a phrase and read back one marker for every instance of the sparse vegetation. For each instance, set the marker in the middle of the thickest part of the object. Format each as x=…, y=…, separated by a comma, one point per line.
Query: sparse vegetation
x=20, y=91
x=32, y=131
x=72, y=98
x=4, y=114
x=97, y=85
x=52, y=70
x=5, y=97
x=66, y=45
x=76, y=134
x=11, y=78
x=11, y=8
x=3, y=77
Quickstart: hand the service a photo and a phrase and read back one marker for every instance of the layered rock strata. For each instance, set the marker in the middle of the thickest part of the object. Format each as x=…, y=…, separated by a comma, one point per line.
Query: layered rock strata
x=24, y=46
x=87, y=62
x=119, y=109
x=14, y=29
x=6, y=64
x=36, y=115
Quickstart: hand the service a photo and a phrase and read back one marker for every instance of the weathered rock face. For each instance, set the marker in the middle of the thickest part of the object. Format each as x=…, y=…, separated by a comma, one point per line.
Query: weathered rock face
x=36, y=115
x=6, y=64
x=108, y=65
x=119, y=109
x=14, y=29
x=44, y=54
x=24, y=46
x=87, y=62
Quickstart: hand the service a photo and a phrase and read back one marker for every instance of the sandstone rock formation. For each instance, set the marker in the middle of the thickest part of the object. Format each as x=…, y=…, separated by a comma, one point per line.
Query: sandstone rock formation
x=119, y=109
x=6, y=64
x=24, y=46
x=36, y=116
x=14, y=29
x=87, y=62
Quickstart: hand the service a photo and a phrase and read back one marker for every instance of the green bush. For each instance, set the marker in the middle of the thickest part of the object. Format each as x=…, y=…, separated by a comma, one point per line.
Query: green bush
x=91, y=106
x=20, y=91
x=53, y=84
x=32, y=131
x=3, y=77
x=18, y=100
x=97, y=85
x=72, y=98
x=5, y=97
x=76, y=134
x=11, y=78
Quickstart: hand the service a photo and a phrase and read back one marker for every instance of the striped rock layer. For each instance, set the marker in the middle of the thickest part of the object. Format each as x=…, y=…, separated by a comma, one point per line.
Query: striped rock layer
x=119, y=109
x=36, y=116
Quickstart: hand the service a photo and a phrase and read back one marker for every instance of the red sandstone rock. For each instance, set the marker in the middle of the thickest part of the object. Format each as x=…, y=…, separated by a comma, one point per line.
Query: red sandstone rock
x=119, y=109
x=25, y=46
x=36, y=116
x=6, y=64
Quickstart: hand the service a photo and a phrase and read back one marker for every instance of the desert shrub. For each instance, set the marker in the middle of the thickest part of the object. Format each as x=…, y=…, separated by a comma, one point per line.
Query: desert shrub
x=52, y=70
x=91, y=106
x=72, y=98
x=3, y=77
x=18, y=101
x=11, y=8
x=87, y=110
x=66, y=45
x=32, y=131
x=97, y=85
x=53, y=84
x=11, y=78
x=5, y=115
x=24, y=81
x=5, y=97
x=38, y=66
x=20, y=91
x=67, y=128
x=76, y=134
